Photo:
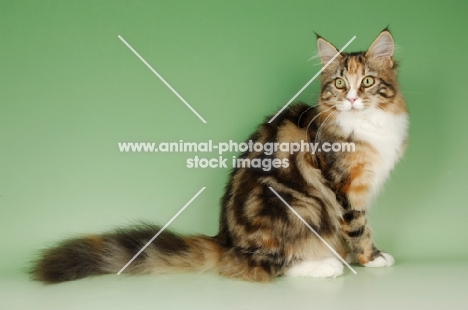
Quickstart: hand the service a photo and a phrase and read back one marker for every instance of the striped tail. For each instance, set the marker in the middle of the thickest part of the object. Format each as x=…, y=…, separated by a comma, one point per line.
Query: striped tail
x=108, y=253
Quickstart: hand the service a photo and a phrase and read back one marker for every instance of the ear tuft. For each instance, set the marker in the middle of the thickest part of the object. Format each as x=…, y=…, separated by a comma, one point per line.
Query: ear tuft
x=326, y=50
x=383, y=46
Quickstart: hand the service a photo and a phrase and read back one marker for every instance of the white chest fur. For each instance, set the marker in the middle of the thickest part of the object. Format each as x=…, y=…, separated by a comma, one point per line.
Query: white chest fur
x=384, y=131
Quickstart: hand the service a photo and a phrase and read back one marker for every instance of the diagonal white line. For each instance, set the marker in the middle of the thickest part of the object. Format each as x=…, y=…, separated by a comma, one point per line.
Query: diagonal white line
x=162, y=79
x=161, y=230
x=313, y=230
x=311, y=80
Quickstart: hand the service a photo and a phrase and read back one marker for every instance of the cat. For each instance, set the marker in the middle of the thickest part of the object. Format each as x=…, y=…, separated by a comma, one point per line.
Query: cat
x=259, y=238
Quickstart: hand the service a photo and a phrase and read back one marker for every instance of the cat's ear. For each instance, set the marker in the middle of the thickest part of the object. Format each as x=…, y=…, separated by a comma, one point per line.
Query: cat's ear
x=381, y=50
x=326, y=50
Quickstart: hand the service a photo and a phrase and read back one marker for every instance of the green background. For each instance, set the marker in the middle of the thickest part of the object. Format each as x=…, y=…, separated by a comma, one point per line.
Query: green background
x=70, y=90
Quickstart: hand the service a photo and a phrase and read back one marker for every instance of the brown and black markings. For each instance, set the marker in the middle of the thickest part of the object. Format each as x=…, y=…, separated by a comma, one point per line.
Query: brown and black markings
x=259, y=238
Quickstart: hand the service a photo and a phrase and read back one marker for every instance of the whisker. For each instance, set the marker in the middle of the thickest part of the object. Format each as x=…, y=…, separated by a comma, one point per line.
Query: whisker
x=412, y=92
x=308, y=125
x=300, y=117
x=317, y=134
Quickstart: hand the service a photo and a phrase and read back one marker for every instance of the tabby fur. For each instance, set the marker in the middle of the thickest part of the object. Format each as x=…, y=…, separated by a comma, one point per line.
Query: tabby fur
x=259, y=237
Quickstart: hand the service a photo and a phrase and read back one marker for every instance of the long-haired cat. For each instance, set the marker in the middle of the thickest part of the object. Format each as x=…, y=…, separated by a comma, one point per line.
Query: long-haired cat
x=259, y=237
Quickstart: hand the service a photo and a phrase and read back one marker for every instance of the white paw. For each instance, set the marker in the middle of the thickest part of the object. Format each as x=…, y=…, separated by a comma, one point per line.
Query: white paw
x=327, y=268
x=383, y=260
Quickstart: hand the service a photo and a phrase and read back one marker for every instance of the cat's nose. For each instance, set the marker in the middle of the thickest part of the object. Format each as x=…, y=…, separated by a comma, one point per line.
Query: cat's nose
x=350, y=99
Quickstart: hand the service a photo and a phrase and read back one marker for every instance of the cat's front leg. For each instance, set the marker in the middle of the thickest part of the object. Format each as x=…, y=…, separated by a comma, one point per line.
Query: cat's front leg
x=357, y=234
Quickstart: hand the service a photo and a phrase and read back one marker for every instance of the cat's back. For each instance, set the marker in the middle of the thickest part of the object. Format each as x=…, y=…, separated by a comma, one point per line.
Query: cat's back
x=288, y=127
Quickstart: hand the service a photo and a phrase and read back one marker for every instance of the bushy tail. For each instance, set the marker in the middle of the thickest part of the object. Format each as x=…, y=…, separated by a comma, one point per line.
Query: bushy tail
x=102, y=254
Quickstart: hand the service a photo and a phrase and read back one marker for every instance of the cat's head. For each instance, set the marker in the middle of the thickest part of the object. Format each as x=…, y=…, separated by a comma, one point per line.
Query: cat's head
x=360, y=81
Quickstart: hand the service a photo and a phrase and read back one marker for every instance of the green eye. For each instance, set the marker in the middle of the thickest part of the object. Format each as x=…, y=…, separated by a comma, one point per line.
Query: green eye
x=368, y=81
x=340, y=83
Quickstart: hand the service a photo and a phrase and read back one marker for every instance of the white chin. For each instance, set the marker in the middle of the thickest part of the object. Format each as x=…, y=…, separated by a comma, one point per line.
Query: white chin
x=344, y=107
x=358, y=106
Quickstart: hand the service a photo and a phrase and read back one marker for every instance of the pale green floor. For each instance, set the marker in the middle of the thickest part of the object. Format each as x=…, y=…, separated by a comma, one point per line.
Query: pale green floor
x=404, y=286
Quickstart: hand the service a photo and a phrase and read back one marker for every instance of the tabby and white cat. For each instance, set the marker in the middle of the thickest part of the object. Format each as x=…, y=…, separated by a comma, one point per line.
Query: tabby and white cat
x=259, y=237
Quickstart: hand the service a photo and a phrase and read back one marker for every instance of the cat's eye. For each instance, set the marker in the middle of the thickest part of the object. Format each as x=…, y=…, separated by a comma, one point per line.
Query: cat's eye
x=340, y=83
x=368, y=81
